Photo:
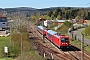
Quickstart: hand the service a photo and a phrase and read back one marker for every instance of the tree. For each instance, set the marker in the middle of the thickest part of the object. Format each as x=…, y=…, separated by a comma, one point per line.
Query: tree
x=48, y=18
x=33, y=17
x=83, y=13
x=50, y=13
x=58, y=17
x=38, y=15
x=52, y=16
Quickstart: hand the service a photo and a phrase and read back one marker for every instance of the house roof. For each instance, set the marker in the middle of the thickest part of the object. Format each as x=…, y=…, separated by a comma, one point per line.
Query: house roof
x=57, y=20
x=61, y=20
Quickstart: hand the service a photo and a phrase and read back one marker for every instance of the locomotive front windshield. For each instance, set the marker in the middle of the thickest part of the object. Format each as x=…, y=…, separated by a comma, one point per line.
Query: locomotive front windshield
x=64, y=39
x=3, y=20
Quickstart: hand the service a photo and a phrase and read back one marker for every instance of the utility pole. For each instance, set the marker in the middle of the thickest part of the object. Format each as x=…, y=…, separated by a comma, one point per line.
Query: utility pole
x=21, y=39
x=82, y=47
x=10, y=36
x=72, y=29
x=10, y=25
x=43, y=31
x=21, y=47
x=43, y=37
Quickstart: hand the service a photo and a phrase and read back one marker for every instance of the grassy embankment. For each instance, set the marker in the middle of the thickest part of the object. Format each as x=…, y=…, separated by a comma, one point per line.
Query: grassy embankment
x=77, y=43
x=4, y=41
x=86, y=32
x=86, y=36
x=27, y=47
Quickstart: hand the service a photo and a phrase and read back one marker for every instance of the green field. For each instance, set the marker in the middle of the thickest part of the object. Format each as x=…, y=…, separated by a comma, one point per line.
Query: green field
x=77, y=43
x=86, y=36
x=4, y=41
x=35, y=56
x=6, y=59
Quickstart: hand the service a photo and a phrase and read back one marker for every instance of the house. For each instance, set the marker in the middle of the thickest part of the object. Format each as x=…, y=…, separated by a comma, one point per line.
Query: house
x=54, y=21
x=3, y=22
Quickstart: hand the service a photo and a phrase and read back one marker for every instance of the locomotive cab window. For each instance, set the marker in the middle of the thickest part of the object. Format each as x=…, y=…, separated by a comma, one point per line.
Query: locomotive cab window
x=64, y=39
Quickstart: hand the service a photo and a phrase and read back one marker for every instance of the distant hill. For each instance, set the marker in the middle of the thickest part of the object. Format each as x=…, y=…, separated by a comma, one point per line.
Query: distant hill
x=20, y=8
x=33, y=9
x=30, y=10
x=9, y=10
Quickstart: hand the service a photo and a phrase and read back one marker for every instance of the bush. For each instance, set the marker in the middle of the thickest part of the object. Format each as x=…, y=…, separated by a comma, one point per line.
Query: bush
x=13, y=51
x=67, y=23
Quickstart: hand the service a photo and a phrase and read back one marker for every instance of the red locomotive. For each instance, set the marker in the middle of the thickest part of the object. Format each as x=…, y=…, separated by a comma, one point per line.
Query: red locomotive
x=41, y=30
x=56, y=38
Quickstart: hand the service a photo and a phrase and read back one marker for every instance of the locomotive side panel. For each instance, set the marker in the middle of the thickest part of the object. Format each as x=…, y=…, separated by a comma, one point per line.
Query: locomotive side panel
x=56, y=41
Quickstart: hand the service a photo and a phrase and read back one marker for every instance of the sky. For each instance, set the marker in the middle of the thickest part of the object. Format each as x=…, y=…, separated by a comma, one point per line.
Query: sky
x=44, y=3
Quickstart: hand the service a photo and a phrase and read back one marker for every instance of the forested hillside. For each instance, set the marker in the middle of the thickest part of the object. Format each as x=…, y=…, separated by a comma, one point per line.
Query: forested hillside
x=50, y=13
x=69, y=13
x=63, y=13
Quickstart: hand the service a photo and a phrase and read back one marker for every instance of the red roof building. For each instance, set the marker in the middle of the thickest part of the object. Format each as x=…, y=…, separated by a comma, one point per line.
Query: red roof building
x=2, y=16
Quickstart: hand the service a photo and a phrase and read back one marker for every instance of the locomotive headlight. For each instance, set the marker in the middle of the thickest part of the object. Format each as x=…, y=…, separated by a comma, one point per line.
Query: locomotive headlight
x=62, y=43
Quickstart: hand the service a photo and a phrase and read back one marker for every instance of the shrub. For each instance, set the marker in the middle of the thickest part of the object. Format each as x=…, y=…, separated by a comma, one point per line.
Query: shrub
x=67, y=23
x=13, y=51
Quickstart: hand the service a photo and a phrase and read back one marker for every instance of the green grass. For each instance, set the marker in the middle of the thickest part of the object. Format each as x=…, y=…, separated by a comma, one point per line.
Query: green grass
x=83, y=32
x=63, y=29
x=4, y=41
x=77, y=43
x=35, y=55
x=87, y=48
x=6, y=59
x=88, y=37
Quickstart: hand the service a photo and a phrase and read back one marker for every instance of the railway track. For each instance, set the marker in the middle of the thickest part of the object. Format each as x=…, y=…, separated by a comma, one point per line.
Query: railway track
x=86, y=54
x=50, y=51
